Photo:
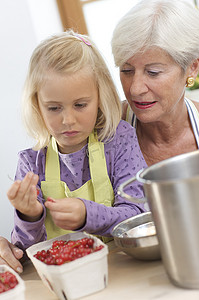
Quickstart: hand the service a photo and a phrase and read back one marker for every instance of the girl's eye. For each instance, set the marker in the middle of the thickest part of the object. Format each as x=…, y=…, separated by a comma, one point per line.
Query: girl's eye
x=53, y=108
x=80, y=105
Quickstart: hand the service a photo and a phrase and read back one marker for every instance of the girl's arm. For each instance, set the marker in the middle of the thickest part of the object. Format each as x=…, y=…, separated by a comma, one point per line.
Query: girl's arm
x=27, y=233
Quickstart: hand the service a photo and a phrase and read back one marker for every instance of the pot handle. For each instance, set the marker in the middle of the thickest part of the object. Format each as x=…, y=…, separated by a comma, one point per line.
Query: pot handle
x=125, y=195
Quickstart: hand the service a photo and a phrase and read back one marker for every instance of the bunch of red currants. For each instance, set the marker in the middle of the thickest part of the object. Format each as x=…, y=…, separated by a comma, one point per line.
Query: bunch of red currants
x=7, y=281
x=65, y=251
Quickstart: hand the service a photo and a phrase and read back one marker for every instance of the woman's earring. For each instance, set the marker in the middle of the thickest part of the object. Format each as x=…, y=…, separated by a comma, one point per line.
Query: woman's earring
x=190, y=82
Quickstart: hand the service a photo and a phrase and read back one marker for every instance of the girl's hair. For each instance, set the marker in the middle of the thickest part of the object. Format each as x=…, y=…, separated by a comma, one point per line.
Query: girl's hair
x=64, y=54
x=172, y=25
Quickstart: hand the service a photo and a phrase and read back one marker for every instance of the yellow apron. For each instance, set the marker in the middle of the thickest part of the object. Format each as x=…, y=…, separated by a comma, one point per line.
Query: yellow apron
x=98, y=188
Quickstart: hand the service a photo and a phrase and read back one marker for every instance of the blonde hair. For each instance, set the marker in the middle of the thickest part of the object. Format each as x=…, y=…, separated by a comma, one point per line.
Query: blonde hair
x=68, y=53
x=170, y=25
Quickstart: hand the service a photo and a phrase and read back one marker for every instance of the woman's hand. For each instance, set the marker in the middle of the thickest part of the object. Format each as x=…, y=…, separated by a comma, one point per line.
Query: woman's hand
x=23, y=196
x=10, y=255
x=67, y=213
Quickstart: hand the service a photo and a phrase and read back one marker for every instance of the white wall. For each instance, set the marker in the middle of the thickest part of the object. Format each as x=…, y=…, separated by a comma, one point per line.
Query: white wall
x=19, y=34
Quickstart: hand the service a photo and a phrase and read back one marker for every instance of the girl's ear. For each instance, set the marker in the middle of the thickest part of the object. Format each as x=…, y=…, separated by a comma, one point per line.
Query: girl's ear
x=194, y=68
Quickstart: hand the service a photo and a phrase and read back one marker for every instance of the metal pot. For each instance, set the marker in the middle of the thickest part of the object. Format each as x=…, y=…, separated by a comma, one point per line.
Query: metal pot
x=171, y=188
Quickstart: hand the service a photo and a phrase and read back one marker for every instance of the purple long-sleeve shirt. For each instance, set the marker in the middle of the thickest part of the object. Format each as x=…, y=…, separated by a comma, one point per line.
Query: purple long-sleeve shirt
x=123, y=158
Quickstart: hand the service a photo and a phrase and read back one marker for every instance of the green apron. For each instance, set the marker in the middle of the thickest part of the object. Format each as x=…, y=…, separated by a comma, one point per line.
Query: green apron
x=98, y=188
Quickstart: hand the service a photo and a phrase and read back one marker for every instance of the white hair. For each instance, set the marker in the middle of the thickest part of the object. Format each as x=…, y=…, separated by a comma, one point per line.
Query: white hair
x=172, y=25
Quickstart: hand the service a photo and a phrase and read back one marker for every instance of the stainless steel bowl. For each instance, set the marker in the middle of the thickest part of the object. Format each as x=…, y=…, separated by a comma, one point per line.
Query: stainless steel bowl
x=137, y=237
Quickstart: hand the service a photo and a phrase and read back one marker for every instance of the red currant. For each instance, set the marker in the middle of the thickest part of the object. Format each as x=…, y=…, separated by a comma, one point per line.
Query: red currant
x=66, y=251
x=7, y=281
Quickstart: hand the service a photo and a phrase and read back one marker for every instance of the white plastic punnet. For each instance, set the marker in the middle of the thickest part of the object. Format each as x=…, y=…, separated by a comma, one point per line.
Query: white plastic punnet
x=18, y=292
x=75, y=279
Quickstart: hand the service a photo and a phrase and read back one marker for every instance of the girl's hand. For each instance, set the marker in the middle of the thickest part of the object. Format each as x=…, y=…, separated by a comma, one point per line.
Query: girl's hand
x=23, y=196
x=67, y=213
x=10, y=255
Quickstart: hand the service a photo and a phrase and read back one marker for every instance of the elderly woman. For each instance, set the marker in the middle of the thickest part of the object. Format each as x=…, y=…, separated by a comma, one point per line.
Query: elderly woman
x=156, y=47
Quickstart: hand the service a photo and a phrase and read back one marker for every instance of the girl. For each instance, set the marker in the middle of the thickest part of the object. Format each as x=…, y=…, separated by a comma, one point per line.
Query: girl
x=83, y=151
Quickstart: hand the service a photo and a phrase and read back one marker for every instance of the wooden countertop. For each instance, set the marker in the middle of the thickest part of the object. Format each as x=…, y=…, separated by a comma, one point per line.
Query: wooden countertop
x=128, y=279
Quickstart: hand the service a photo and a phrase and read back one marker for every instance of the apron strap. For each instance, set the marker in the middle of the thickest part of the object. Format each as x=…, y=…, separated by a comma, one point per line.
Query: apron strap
x=52, y=169
x=194, y=118
x=96, y=154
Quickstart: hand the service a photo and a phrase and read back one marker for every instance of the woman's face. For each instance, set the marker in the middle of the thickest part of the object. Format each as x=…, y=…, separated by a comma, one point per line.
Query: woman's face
x=69, y=107
x=153, y=85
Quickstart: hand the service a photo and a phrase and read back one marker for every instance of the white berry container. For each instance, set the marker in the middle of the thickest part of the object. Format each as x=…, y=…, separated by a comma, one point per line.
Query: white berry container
x=75, y=279
x=18, y=292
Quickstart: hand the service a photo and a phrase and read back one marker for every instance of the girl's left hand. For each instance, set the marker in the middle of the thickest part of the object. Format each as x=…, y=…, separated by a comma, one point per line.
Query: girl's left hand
x=67, y=213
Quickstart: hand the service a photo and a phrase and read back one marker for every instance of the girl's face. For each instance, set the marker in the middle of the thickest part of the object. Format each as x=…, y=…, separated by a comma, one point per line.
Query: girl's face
x=69, y=107
x=153, y=85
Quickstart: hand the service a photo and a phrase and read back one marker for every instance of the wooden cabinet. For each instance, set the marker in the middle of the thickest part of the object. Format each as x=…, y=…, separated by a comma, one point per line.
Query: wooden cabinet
x=72, y=16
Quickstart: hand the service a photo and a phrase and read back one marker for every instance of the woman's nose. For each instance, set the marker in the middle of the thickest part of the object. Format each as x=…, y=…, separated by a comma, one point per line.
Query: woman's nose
x=138, y=86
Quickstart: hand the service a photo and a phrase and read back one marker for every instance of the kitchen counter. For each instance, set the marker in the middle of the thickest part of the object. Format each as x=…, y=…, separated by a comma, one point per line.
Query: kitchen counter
x=128, y=279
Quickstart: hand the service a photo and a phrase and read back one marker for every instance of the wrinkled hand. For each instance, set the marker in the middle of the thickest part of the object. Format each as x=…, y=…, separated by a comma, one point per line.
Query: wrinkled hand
x=23, y=196
x=10, y=255
x=67, y=213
